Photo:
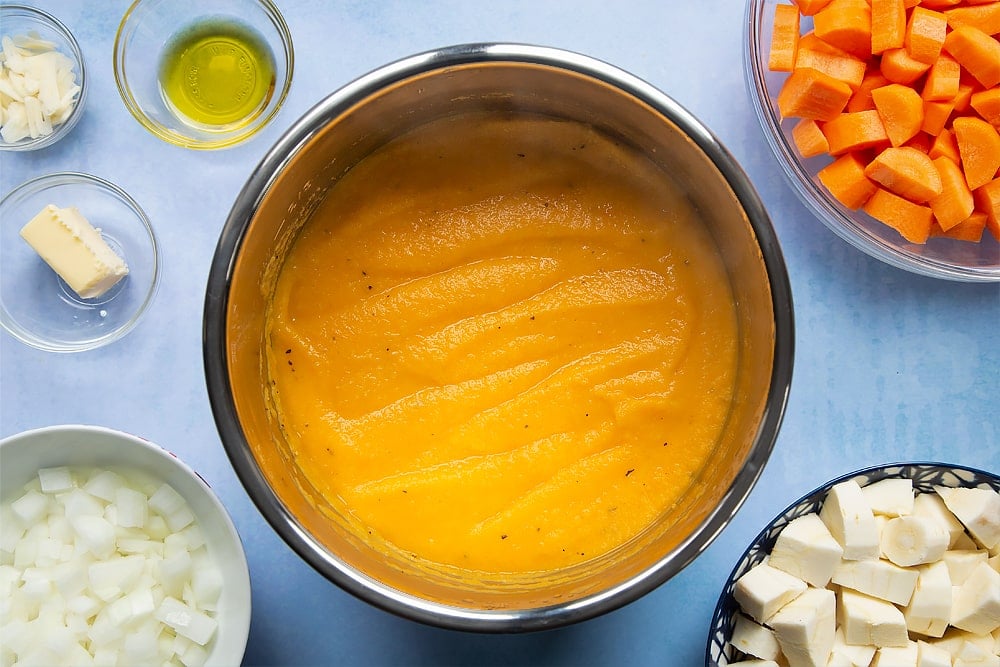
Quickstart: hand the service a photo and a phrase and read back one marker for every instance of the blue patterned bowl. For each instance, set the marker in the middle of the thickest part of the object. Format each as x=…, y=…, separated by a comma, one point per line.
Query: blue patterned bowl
x=925, y=477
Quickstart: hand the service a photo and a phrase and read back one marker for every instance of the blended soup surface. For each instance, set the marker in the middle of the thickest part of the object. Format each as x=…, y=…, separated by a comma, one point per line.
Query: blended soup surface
x=505, y=345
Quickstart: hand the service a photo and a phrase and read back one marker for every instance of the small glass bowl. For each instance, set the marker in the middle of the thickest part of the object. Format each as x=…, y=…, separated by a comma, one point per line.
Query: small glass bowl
x=939, y=257
x=23, y=20
x=146, y=29
x=925, y=476
x=36, y=306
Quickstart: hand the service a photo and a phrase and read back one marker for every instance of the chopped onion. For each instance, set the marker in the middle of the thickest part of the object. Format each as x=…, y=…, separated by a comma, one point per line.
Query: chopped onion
x=104, y=567
x=38, y=87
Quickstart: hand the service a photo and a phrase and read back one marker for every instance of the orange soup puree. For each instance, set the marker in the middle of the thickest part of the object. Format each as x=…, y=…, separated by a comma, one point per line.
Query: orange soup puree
x=503, y=346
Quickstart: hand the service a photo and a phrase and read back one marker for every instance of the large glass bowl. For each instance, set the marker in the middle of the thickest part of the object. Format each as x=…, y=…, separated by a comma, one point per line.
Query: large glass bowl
x=939, y=257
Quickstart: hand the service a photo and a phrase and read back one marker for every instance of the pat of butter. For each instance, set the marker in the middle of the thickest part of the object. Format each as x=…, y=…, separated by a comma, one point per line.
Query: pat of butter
x=75, y=250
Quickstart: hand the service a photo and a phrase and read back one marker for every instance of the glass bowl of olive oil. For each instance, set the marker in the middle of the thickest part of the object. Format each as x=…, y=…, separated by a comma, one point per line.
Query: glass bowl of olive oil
x=203, y=74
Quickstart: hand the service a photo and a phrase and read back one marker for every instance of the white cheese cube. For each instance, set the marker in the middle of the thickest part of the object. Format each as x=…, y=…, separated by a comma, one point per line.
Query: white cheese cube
x=850, y=520
x=763, y=590
x=805, y=628
x=855, y=655
x=932, y=506
x=75, y=250
x=806, y=549
x=870, y=621
x=961, y=563
x=929, y=655
x=890, y=497
x=897, y=656
x=929, y=610
x=976, y=606
x=878, y=578
x=913, y=540
x=977, y=509
x=754, y=639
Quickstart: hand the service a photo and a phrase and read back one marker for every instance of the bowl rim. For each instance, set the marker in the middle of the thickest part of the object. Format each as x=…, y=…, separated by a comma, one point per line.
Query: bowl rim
x=225, y=139
x=39, y=183
x=830, y=213
x=762, y=542
x=66, y=126
x=239, y=452
x=240, y=568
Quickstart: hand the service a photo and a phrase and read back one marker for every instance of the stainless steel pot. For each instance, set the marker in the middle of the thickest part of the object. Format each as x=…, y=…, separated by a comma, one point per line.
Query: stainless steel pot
x=347, y=126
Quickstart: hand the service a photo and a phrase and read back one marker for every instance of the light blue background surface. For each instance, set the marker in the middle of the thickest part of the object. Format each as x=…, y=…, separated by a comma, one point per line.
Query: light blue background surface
x=889, y=365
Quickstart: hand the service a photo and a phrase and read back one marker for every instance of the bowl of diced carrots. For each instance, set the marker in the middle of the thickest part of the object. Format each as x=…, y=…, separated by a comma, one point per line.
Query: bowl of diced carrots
x=885, y=117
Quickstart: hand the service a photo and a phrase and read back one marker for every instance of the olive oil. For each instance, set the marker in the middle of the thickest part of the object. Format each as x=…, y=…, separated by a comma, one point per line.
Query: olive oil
x=217, y=73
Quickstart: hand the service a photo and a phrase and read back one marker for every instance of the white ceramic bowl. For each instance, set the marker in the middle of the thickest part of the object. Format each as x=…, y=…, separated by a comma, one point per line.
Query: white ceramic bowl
x=23, y=454
x=925, y=476
x=938, y=258
x=24, y=20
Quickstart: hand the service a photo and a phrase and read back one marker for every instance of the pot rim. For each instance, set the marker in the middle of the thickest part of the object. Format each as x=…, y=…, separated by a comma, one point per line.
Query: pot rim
x=239, y=452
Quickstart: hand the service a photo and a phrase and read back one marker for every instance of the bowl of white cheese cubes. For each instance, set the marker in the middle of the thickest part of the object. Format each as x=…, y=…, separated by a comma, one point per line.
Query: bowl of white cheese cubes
x=895, y=565
x=43, y=83
x=113, y=551
x=79, y=262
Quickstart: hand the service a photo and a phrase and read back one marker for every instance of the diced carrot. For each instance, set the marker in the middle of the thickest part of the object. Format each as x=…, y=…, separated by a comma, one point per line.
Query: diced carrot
x=925, y=33
x=816, y=54
x=784, y=38
x=845, y=179
x=942, y=79
x=855, y=131
x=861, y=100
x=846, y=24
x=899, y=67
x=809, y=93
x=906, y=172
x=954, y=204
x=888, y=25
x=810, y=7
x=977, y=52
x=901, y=111
x=938, y=4
x=964, y=96
x=979, y=146
x=922, y=142
x=809, y=138
x=988, y=201
x=970, y=229
x=987, y=105
x=936, y=115
x=985, y=17
x=912, y=221
x=945, y=146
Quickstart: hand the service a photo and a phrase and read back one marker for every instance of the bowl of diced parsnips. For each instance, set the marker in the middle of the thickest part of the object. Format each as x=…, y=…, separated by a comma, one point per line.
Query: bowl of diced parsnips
x=895, y=564
x=43, y=82
x=113, y=551
x=885, y=118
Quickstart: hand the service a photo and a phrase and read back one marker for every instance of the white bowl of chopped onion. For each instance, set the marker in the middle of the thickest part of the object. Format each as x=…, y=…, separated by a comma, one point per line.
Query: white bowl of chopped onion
x=113, y=551
x=43, y=82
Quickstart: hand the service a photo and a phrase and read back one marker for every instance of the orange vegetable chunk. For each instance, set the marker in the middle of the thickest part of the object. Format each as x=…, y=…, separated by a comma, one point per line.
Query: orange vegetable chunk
x=845, y=179
x=888, y=25
x=861, y=100
x=936, y=116
x=922, y=142
x=846, y=24
x=899, y=67
x=906, y=172
x=987, y=199
x=810, y=7
x=979, y=146
x=925, y=33
x=946, y=146
x=942, y=79
x=784, y=38
x=955, y=203
x=985, y=17
x=855, y=131
x=912, y=221
x=987, y=105
x=977, y=52
x=816, y=54
x=809, y=138
x=970, y=229
x=901, y=111
x=809, y=93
